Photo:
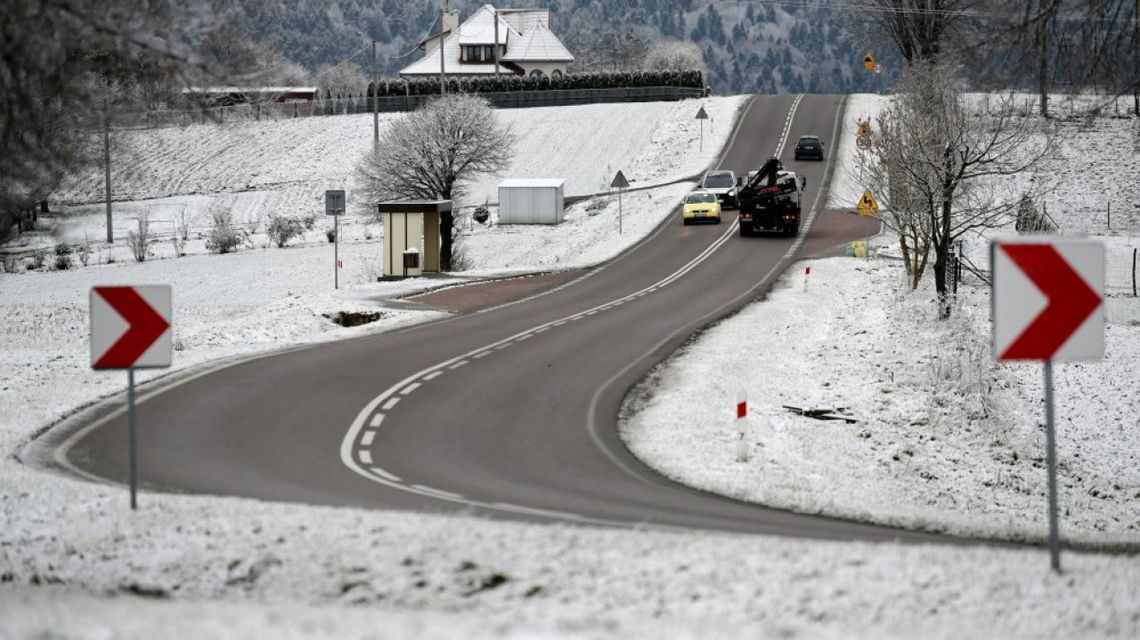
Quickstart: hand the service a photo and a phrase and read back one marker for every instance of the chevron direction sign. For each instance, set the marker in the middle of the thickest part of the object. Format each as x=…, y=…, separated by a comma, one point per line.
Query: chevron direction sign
x=130, y=327
x=1048, y=301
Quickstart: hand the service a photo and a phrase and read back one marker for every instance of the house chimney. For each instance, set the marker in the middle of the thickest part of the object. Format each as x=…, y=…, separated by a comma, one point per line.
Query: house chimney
x=450, y=20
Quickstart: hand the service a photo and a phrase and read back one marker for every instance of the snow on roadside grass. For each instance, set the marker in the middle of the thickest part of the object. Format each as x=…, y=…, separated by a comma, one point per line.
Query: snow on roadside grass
x=945, y=440
x=238, y=568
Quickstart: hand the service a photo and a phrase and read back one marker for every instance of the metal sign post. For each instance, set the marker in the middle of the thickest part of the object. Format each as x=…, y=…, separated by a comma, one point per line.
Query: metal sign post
x=1069, y=274
x=334, y=206
x=620, y=183
x=702, y=115
x=145, y=342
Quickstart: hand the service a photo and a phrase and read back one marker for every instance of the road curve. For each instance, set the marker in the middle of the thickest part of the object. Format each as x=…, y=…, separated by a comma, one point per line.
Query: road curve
x=509, y=411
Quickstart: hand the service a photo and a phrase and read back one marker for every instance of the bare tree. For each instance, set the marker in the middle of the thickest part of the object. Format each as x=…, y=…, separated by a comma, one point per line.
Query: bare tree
x=920, y=28
x=937, y=157
x=246, y=62
x=52, y=50
x=905, y=204
x=675, y=55
x=1073, y=44
x=341, y=80
x=435, y=152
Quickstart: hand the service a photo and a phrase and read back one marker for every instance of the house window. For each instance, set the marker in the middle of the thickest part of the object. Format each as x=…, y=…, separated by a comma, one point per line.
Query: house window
x=480, y=53
x=537, y=73
x=556, y=73
x=473, y=53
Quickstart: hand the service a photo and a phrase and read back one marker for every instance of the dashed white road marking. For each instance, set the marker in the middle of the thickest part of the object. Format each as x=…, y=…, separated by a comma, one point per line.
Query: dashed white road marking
x=376, y=420
x=369, y=436
x=409, y=384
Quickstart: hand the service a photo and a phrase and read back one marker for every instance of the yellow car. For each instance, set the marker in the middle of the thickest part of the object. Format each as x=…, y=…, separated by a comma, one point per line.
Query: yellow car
x=701, y=206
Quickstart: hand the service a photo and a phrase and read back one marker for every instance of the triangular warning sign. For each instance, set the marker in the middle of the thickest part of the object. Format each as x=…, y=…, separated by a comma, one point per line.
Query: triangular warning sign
x=619, y=181
x=867, y=205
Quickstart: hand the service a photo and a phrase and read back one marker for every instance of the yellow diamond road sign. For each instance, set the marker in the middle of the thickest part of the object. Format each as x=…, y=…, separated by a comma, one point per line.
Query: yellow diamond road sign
x=869, y=62
x=867, y=205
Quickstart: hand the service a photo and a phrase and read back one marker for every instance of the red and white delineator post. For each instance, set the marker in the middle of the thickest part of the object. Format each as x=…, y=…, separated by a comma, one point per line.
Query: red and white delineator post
x=741, y=427
x=807, y=274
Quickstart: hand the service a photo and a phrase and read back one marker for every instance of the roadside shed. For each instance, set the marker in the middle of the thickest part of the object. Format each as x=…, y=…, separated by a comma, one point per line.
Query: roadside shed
x=531, y=201
x=411, y=237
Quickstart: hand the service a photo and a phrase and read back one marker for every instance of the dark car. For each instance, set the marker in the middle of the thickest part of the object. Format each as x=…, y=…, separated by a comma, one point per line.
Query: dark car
x=809, y=147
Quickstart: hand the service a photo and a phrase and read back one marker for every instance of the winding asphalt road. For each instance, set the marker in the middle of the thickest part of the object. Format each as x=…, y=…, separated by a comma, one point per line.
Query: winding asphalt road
x=508, y=412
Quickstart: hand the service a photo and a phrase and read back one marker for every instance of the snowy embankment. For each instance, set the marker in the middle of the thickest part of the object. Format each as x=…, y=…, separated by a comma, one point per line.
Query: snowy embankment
x=945, y=439
x=230, y=568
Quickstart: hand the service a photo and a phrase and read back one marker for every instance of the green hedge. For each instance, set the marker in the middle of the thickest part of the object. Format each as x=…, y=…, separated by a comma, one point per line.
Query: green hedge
x=430, y=86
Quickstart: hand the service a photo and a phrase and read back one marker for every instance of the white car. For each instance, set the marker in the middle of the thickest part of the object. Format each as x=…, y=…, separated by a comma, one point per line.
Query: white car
x=723, y=185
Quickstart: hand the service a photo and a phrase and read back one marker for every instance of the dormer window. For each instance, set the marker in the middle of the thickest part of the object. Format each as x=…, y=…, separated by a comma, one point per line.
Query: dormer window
x=481, y=53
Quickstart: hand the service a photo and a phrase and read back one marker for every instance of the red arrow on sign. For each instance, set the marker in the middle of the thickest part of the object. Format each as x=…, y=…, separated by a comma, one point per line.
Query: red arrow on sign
x=1071, y=301
x=146, y=326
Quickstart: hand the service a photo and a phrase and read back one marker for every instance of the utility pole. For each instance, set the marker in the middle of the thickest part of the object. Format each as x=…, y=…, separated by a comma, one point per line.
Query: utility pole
x=1043, y=15
x=1136, y=58
x=107, y=157
x=442, y=59
x=375, y=102
x=497, y=43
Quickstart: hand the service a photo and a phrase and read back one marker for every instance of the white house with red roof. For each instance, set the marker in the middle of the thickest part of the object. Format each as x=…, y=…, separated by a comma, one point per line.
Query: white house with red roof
x=527, y=46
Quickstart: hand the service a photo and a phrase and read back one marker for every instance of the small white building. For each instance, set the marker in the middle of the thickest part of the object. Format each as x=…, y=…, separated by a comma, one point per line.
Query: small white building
x=531, y=201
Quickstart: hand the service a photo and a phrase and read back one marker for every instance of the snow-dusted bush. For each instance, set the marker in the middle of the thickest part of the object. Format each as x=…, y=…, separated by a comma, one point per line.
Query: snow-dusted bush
x=1030, y=220
x=62, y=256
x=138, y=241
x=282, y=229
x=224, y=237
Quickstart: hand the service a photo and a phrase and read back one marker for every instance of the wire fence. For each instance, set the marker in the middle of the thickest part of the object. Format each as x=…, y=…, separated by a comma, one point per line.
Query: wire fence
x=153, y=119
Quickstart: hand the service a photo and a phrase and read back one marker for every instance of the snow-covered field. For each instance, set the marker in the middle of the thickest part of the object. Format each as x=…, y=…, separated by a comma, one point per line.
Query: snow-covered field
x=284, y=166
x=72, y=557
x=945, y=439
